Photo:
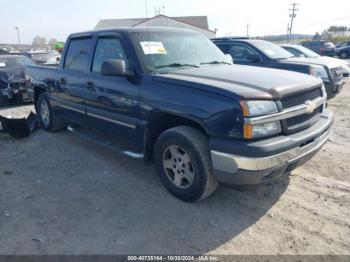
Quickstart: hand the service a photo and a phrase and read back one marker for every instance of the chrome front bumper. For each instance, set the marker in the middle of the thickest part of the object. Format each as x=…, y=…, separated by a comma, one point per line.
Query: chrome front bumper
x=228, y=163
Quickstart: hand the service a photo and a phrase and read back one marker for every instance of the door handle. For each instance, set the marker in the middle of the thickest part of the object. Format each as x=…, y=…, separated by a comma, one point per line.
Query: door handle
x=63, y=81
x=90, y=85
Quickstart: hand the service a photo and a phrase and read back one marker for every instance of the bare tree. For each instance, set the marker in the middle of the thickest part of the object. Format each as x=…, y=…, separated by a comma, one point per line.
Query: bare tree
x=39, y=42
x=52, y=42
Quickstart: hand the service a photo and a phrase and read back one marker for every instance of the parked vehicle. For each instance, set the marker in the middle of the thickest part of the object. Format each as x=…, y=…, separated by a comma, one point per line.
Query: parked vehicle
x=342, y=44
x=4, y=52
x=13, y=80
x=43, y=58
x=267, y=54
x=321, y=47
x=173, y=99
x=301, y=51
x=343, y=51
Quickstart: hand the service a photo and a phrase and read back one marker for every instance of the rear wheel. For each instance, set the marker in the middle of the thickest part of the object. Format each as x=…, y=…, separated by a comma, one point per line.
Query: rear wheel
x=47, y=116
x=183, y=163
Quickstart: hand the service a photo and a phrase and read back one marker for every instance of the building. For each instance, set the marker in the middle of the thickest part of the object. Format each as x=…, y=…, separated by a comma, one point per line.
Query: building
x=198, y=23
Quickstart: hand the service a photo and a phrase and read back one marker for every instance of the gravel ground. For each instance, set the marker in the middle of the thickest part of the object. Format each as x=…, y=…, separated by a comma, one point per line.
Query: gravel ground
x=60, y=194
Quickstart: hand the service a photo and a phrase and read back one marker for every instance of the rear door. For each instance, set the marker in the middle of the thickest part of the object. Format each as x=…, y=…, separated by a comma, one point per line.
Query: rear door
x=72, y=78
x=112, y=102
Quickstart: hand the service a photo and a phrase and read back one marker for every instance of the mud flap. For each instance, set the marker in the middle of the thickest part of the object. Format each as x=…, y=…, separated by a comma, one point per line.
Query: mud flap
x=20, y=127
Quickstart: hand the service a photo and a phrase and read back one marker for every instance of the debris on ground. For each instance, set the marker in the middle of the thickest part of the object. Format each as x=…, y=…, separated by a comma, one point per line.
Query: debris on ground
x=41, y=238
x=19, y=127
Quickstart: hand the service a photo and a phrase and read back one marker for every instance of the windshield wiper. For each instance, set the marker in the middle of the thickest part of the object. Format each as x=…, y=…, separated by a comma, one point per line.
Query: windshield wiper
x=175, y=65
x=215, y=63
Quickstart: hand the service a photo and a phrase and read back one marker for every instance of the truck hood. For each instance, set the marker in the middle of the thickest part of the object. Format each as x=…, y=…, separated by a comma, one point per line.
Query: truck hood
x=311, y=61
x=12, y=74
x=246, y=82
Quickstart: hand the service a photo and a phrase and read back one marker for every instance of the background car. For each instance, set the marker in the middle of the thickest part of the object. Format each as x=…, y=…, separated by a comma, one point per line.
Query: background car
x=301, y=51
x=267, y=54
x=14, y=82
x=343, y=52
x=4, y=52
x=343, y=44
x=43, y=58
x=322, y=47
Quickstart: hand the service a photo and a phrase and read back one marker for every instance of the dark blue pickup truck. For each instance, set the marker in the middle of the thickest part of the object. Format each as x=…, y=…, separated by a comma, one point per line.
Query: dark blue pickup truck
x=171, y=97
x=267, y=54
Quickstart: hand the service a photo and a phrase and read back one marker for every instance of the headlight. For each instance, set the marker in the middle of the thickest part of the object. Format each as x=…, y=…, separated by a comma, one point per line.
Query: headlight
x=260, y=130
x=259, y=108
x=319, y=71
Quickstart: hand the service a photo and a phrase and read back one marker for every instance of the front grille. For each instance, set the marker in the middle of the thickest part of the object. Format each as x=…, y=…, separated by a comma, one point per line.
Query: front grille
x=17, y=85
x=337, y=74
x=301, y=119
x=299, y=99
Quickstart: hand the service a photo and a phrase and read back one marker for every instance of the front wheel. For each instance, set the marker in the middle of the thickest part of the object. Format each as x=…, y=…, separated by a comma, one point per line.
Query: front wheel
x=47, y=116
x=183, y=163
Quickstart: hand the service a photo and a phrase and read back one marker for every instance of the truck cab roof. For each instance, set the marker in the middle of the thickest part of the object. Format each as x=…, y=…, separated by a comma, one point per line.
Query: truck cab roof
x=131, y=29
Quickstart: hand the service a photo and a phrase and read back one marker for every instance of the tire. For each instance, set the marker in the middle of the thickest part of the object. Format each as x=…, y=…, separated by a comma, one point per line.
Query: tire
x=183, y=163
x=344, y=55
x=47, y=115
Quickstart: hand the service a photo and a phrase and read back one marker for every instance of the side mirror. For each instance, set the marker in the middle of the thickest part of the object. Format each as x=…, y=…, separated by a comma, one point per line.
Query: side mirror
x=253, y=58
x=114, y=67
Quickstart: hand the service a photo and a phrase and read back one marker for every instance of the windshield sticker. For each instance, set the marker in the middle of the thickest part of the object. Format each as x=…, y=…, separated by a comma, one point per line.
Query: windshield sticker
x=150, y=48
x=2, y=64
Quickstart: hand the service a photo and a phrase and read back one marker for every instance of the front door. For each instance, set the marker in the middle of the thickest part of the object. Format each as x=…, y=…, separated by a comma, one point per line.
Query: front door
x=112, y=102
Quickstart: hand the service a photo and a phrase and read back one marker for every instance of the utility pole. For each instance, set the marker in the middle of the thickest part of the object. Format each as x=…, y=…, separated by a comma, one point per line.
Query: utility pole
x=287, y=35
x=292, y=15
x=247, y=30
x=19, y=39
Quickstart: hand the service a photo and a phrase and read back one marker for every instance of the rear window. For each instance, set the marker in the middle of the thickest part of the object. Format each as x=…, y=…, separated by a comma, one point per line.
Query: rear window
x=78, y=54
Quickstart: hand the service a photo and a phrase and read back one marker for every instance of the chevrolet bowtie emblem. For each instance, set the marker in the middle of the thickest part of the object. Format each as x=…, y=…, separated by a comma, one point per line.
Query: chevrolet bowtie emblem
x=310, y=106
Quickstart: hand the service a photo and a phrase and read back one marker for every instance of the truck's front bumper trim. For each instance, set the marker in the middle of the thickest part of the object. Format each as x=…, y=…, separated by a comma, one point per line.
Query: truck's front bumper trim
x=231, y=163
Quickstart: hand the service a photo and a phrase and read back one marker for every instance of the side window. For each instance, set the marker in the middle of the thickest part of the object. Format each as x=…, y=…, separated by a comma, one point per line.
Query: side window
x=108, y=48
x=240, y=52
x=78, y=53
x=294, y=52
x=224, y=48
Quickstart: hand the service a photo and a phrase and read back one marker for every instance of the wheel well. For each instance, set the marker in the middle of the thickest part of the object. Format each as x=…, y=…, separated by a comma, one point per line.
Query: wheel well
x=158, y=123
x=37, y=92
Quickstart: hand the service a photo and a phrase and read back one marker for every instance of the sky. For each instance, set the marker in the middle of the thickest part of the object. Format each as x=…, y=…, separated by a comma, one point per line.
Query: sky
x=57, y=19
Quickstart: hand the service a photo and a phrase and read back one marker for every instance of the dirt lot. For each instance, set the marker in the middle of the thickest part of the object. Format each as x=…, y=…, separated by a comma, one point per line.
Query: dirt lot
x=63, y=195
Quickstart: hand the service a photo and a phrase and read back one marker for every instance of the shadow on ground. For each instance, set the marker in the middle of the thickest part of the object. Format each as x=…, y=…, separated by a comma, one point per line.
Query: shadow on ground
x=83, y=199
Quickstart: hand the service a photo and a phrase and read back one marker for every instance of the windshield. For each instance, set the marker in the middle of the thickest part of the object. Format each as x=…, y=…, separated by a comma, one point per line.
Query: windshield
x=272, y=50
x=169, y=50
x=307, y=52
x=13, y=62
